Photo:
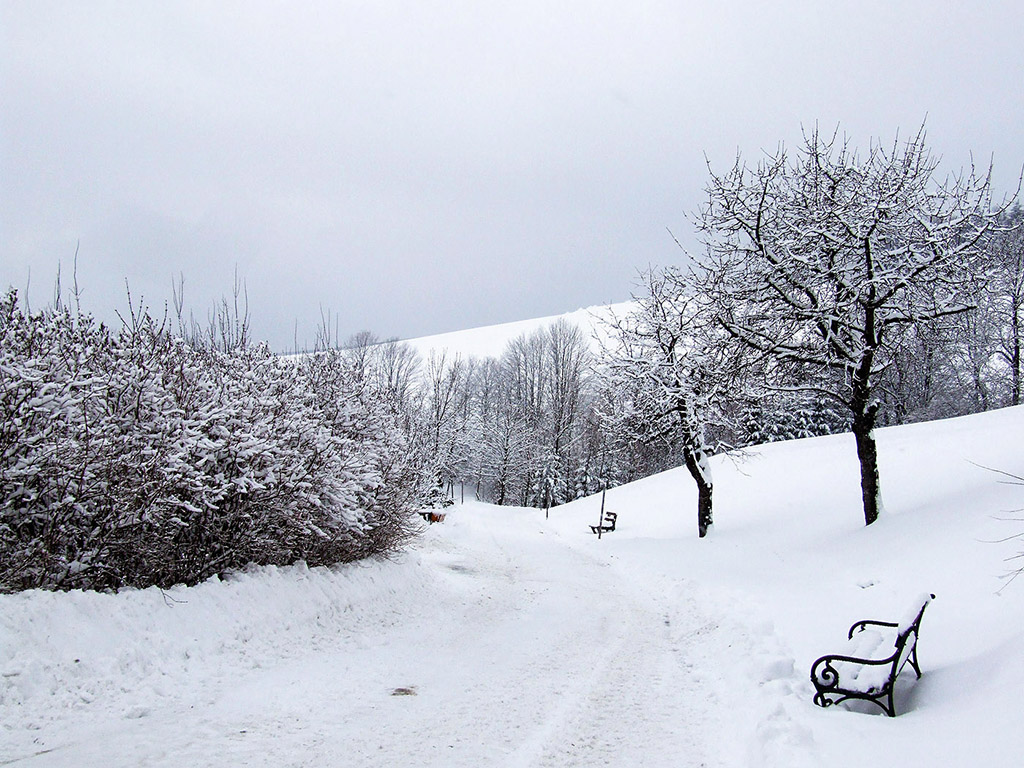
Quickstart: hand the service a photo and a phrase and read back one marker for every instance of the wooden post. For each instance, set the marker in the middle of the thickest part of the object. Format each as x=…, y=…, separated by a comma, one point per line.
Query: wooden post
x=600, y=520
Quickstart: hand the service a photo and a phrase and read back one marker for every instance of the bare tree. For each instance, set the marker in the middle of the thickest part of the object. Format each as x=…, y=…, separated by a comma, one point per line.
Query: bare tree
x=568, y=361
x=447, y=387
x=827, y=258
x=228, y=323
x=683, y=373
x=360, y=351
x=526, y=372
x=1006, y=296
x=398, y=367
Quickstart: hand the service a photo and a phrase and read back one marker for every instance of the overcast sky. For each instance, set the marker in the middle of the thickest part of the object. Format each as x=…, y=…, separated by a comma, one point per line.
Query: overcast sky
x=419, y=167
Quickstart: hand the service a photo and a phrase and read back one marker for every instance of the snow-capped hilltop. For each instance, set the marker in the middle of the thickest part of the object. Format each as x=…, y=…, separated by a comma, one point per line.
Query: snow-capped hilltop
x=490, y=340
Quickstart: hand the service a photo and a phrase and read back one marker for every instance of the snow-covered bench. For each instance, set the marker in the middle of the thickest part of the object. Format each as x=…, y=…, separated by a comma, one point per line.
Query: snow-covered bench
x=607, y=524
x=875, y=659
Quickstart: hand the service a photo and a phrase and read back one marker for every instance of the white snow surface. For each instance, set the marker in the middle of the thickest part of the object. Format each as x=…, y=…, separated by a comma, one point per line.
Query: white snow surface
x=490, y=340
x=518, y=641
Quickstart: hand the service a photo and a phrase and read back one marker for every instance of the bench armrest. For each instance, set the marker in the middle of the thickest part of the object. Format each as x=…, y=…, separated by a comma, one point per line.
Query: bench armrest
x=825, y=675
x=859, y=625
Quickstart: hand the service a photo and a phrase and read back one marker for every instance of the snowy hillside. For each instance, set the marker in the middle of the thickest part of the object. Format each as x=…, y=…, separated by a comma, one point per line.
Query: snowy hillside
x=490, y=341
x=503, y=638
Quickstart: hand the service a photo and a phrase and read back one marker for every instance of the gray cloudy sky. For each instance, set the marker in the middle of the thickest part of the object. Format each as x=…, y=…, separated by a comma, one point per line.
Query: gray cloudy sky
x=419, y=167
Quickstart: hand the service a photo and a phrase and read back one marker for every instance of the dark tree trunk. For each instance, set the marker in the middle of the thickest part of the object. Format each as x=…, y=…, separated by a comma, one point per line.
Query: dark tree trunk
x=864, y=417
x=1015, y=354
x=867, y=452
x=865, y=412
x=1015, y=364
x=705, y=488
x=704, y=518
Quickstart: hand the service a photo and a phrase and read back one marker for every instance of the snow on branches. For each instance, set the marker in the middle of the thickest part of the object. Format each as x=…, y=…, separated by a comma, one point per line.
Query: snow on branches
x=137, y=458
x=826, y=260
x=683, y=375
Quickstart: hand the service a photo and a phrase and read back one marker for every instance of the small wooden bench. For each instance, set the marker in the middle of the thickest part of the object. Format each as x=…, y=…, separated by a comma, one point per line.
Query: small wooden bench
x=607, y=524
x=869, y=672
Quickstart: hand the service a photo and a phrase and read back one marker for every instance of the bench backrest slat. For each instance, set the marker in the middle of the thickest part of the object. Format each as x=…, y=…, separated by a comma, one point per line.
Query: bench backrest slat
x=912, y=618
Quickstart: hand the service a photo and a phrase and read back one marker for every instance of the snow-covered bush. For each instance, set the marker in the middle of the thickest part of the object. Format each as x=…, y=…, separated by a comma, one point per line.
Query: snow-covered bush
x=136, y=458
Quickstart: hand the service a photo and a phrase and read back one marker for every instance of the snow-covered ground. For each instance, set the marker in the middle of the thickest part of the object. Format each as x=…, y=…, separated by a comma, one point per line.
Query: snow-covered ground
x=506, y=639
x=490, y=340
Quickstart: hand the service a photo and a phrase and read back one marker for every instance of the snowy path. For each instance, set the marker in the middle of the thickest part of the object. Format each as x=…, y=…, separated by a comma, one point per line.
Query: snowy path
x=519, y=650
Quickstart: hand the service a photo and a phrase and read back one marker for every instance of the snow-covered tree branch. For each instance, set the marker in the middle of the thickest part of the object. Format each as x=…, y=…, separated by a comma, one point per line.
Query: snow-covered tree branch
x=683, y=374
x=826, y=260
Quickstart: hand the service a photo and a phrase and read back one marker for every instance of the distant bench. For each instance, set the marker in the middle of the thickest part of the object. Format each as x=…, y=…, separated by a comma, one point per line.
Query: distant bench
x=869, y=672
x=432, y=517
x=607, y=524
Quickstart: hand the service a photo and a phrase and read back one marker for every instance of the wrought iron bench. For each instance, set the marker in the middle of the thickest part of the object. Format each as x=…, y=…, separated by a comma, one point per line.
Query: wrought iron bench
x=869, y=672
x=607, y=524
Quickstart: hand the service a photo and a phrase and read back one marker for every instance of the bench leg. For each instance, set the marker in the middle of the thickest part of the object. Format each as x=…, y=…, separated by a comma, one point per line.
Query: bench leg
x=913, y=661
x=891, y=709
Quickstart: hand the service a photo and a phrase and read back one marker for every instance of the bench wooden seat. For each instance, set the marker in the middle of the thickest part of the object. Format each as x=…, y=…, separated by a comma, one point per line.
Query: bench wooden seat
x=879, y=651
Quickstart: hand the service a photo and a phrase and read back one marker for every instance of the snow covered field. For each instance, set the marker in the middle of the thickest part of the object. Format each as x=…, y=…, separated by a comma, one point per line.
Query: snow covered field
x=505, y=639
x=490, y=340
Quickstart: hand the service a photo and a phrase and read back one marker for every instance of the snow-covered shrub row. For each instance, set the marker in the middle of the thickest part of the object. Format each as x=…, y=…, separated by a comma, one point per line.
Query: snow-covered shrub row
x=136, y=458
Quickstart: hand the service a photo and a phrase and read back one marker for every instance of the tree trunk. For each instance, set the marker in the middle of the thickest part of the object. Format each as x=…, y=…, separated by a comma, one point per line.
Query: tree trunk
x=698, y=471
x=704, y=517
x=1015, y=365
x=864, y=415
x=867, y=452
x=865, y=411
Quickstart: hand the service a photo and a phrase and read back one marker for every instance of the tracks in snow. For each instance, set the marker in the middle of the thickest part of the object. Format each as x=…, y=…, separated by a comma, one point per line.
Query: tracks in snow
x=524, y=653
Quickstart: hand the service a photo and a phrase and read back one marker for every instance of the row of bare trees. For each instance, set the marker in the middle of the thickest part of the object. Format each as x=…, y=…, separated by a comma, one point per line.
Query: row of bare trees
x=520, y=428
